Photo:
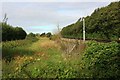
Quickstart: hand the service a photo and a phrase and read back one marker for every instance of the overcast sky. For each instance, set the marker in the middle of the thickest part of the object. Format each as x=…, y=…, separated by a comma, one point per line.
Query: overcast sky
x=38, y=17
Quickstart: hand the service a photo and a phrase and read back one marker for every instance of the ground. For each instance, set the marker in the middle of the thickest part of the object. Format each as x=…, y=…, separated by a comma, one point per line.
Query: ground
x=46, y=58
x=48, y=61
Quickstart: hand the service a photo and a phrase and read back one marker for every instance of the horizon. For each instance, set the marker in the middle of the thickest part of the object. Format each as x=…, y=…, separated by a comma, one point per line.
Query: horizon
x=39, y=17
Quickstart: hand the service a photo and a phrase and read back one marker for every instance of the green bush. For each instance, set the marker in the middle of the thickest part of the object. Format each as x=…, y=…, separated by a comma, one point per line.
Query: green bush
x=12, y=33
x=101, y=60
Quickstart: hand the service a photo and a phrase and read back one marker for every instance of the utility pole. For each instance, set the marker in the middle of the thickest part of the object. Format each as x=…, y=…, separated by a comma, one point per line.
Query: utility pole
x=83, y=29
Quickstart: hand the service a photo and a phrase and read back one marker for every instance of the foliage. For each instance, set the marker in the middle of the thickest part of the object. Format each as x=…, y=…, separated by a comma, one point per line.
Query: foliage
x=31, y=35
x=46, y=62
x=17, y=47
x=54, y=37
x=43, y=35
x=37, y=34
x=40, y=67
x=12, y=33
x=102, y=24
x=101, y=60
x=48, y=34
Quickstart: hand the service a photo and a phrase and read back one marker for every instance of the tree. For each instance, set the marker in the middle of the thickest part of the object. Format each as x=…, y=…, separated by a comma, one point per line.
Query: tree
x=31, y=35
x=102, y=24
x=48, y=34
x=20, y=33
x=43, y=35
x=37, y=34
x=12, y=33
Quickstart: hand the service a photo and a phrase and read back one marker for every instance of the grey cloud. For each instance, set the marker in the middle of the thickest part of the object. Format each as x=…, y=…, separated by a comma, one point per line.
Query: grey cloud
x=28, y=14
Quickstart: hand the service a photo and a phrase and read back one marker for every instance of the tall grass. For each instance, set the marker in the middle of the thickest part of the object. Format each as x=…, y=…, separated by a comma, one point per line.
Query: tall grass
x=49, y=61
x=15, y=48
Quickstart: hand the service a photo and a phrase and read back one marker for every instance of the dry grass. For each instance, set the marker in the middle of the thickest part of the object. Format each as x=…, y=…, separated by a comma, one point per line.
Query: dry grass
x=71, y=48
x=65, y=45
x=49, y=44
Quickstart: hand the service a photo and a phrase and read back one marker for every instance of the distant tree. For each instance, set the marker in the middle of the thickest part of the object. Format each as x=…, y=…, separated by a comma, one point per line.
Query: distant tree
x=37, y=34
x=43, y=35
x=31, y=35
x=48, y=34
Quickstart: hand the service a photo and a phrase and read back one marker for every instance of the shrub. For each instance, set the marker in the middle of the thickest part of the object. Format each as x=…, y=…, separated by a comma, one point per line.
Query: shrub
x=101, y=60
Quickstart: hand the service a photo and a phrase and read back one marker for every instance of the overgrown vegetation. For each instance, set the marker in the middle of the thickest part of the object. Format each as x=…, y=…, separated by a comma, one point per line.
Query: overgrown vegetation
x=102, y=24
x=51, y=56
x=17, y=47
x=99, y=60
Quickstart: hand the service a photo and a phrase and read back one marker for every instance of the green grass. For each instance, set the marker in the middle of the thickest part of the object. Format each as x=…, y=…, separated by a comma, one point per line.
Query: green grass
x=48, y=61
x=10, y=49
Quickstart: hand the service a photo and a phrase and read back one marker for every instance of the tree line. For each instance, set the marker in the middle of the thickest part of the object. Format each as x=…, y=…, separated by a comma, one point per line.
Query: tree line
x=49, y=34
x=9, y=33
x=103, y=23
x=12, y=33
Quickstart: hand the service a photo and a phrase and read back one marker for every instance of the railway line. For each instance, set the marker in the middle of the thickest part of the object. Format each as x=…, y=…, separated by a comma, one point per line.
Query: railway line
x=88, y=39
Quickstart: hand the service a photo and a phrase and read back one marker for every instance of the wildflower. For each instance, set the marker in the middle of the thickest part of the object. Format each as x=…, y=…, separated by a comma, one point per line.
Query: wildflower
x=16, y=68
x=38, y=59
x=31, y=58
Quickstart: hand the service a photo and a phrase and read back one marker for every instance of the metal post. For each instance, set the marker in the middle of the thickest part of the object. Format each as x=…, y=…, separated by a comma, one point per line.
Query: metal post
x=83, y=29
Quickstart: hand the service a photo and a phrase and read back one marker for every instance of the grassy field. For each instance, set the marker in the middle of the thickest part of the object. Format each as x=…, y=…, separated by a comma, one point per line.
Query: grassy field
x=39, y=59
x=45, y=58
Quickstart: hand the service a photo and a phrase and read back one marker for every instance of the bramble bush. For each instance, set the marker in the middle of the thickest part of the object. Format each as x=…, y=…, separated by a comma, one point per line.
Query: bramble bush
x=101, y=60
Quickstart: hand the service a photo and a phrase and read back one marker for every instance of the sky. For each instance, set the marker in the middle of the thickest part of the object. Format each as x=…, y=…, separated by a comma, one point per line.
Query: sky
x=39, y=17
